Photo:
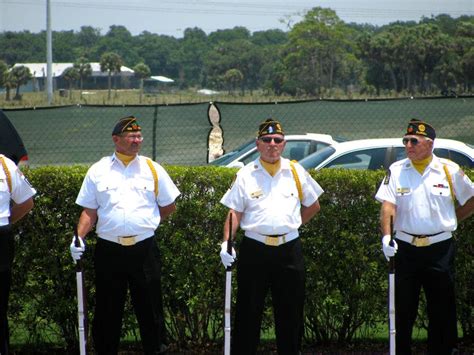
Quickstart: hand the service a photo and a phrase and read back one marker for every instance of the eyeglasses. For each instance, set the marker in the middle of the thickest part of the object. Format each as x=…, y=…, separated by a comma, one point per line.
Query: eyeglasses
x=269, y=140
x=413, y=141
x=133, y=138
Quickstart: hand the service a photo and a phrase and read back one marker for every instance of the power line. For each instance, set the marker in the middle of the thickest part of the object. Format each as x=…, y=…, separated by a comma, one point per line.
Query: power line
x=240, y=8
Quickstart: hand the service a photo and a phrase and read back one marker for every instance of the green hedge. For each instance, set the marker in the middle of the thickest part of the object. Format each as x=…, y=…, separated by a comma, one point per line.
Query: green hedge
x=346, y=271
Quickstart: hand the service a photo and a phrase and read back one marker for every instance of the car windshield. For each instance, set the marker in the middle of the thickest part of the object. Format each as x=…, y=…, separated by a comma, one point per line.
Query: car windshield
x=313, y=160
x=230, y=156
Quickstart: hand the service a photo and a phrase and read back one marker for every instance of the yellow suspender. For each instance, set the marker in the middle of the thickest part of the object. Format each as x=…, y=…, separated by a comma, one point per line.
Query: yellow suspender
x=297, y=180
x=7, y=173
x=450, y=181
x=155, y=175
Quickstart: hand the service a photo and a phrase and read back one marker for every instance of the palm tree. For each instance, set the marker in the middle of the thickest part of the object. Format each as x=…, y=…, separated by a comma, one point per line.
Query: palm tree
x=8, y=84
x=21, y=75
x=110, y=62
x=84, y=68
x=142, y=71
x=71, y=75
x=233, y=77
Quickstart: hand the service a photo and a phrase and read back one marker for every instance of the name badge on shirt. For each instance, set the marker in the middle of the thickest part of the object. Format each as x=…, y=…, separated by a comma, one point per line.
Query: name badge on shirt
x=256, y=194
x=403, y=190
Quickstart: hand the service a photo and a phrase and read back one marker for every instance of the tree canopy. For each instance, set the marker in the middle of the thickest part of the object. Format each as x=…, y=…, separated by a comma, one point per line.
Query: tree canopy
x=318, y=55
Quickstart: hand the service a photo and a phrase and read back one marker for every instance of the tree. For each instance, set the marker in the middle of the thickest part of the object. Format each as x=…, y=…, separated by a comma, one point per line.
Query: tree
x=84, y=69
x=317, y=47
x=3, y=71
x=71, y=75
x=233, y=77
x=111, y=63
x=142, y=71
x=190, y=57
x=157, y=52
x=8, y=84
x=20, y=76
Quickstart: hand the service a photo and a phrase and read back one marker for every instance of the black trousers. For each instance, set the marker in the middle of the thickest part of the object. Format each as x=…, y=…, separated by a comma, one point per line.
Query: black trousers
x=261, y=268
x=430, y=268
x=6, y=260
x=120, y=268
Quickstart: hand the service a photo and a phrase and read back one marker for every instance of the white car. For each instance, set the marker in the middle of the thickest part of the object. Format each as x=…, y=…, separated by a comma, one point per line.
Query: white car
x=380, y=153
x=297, y=147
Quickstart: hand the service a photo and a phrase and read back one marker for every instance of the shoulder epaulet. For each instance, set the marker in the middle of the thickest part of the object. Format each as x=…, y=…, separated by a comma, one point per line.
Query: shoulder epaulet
x=448, y=162
x=154, y=173
x=7, y=172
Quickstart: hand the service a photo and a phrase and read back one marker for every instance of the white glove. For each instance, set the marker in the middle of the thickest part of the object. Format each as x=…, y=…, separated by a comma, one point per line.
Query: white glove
x=76, y=252
x=226, y=258
x=389, y=250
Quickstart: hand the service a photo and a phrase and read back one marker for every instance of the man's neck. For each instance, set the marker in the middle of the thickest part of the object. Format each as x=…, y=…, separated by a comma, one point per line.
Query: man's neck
x=420, y=165
x=124, y=158
x=271, y=168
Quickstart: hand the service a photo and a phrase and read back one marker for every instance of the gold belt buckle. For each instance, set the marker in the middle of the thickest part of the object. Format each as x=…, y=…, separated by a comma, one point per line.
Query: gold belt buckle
x=272, y=241
x=275, y=241
x=420, y=242
x=127, y=241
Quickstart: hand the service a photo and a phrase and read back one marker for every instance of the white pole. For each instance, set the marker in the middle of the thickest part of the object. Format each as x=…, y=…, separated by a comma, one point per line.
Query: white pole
x=228, y=288
x=49, y=54
x=391, y=309
x=81, y=314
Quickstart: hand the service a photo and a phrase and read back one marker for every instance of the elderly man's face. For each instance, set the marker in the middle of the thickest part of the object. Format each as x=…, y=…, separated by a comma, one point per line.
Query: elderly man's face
x=270, y=147
x=417, y=148
x=128, y=143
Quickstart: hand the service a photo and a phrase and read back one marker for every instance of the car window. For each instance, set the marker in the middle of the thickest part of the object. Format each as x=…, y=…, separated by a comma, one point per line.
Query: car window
x=400, y=153
x=313, y=160
x=459, y=158
x=294, y=150
x=367, y=159
x=230, y=156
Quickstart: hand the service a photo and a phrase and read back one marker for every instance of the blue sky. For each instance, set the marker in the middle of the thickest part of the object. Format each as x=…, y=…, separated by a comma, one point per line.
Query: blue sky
x=172, y=17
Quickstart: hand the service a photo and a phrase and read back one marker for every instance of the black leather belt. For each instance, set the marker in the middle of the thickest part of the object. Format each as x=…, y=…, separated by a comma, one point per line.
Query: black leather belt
x=421, y=236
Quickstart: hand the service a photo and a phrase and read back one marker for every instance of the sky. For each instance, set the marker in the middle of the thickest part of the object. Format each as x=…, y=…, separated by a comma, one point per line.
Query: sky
x=172, y=17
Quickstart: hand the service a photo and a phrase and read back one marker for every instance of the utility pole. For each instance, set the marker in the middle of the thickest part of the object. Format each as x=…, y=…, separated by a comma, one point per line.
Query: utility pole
x=49, y=54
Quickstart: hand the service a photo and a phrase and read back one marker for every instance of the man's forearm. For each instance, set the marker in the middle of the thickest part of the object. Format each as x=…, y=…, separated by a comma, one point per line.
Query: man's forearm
x=465, y=211
x=388, y=209
x=18, y=211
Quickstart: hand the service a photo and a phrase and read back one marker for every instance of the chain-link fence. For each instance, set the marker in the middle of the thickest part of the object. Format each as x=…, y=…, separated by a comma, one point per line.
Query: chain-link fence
x=191, y=134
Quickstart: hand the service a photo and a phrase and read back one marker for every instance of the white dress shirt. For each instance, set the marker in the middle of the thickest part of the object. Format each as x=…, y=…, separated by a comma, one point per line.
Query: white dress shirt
x=424, y=202
x=21, y=189
x=124, y=196
x=270, y=205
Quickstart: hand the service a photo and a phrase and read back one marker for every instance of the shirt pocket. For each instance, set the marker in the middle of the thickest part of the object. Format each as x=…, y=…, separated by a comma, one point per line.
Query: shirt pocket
x=145, y=190
x=440, y=197
x=108, y=193
x=404, y=200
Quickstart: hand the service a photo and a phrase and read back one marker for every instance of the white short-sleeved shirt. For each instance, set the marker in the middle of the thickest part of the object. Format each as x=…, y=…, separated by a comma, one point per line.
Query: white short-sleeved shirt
x=424, y=202
x=270, y=205
x=21, y=189
x=124, y=196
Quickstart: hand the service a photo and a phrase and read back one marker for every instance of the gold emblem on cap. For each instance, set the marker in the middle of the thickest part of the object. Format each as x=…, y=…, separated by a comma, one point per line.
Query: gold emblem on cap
x=422, y=127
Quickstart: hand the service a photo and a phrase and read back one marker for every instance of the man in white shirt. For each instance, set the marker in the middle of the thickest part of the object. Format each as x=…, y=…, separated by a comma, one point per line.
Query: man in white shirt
x=422, y=193
x=16, y=200
x=127, y=195
x=270, y=198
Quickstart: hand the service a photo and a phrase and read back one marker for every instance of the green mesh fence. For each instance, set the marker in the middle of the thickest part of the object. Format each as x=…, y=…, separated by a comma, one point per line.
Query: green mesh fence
x=452, y=117
x=82, y=134
x=188, y=134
